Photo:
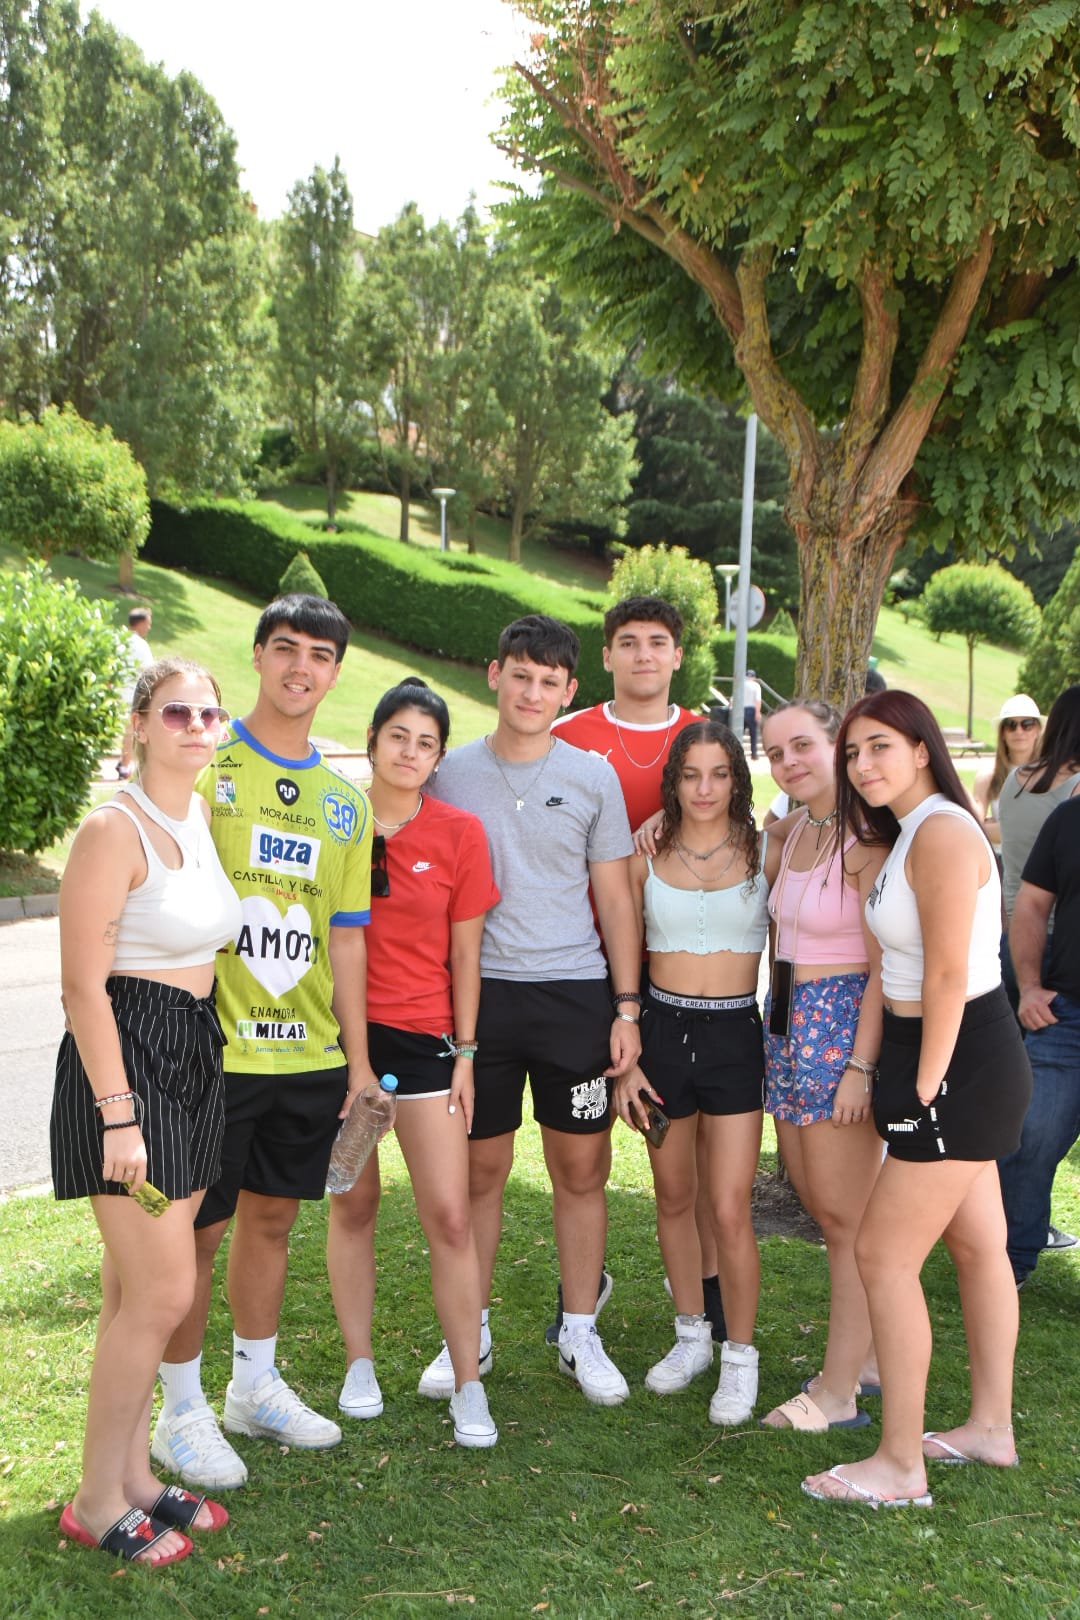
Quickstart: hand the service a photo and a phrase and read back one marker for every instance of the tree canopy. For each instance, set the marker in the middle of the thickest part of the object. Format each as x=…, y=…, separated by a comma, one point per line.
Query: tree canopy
x=980, y=604
x=862, y=219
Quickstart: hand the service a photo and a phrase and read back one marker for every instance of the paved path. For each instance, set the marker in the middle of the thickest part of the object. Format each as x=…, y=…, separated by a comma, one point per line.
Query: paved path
x=31, y=1024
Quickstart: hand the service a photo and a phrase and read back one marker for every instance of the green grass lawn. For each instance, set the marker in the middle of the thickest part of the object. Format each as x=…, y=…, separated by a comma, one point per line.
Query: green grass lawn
x=571, y=566
x=936, y=670
x=643, y=1509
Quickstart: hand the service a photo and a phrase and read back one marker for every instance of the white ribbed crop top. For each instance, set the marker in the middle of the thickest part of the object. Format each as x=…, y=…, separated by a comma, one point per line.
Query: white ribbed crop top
x=893, y=915
x=700, y=921
x=174, y=918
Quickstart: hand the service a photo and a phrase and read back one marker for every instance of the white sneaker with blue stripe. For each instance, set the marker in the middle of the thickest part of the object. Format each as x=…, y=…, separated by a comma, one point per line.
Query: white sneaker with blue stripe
x=189, y=1443
x=275, y=1412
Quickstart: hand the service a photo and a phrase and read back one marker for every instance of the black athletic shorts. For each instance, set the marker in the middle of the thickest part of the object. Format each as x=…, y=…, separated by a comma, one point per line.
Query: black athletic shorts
x=558, y=1032
x=279, y=1133
x=171, y=1045
x=703, y=1059
x=422, y=1064
x=980, y=1109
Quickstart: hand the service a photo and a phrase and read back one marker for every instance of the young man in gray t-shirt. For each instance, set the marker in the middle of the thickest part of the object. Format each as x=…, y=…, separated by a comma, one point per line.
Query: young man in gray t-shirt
x=556, y=823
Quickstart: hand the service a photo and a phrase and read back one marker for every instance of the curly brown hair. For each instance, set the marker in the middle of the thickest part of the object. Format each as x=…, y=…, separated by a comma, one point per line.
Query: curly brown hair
x=741, y=806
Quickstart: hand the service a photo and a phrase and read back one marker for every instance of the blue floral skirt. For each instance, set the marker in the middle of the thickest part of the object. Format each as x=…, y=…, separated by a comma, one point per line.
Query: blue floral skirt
x=803, y=1069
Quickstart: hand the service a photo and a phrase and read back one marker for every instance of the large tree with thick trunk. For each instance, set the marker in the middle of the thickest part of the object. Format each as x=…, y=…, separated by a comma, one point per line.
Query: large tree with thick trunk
x=862, y=220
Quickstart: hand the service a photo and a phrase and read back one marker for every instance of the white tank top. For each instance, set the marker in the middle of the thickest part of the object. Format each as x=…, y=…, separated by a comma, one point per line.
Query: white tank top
x=175, y=918
x=893, y=915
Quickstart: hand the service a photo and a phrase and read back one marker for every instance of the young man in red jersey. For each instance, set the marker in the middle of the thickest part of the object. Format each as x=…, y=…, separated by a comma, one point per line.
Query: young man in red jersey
x=634, y=731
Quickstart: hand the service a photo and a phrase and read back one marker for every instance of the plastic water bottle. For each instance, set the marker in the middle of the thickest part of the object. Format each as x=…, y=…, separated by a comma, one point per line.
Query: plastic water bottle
x=366, y=1123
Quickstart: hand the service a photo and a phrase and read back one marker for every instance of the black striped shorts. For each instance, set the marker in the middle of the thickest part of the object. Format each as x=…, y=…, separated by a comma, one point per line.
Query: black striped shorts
x=171, y=1045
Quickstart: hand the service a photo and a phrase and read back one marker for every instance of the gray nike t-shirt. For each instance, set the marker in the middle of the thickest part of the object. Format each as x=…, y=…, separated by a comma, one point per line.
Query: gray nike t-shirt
x=571, y=812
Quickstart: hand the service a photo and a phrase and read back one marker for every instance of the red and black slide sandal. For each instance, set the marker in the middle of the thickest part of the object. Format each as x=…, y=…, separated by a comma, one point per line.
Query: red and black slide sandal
x=131, y=1535
x=178, y=1508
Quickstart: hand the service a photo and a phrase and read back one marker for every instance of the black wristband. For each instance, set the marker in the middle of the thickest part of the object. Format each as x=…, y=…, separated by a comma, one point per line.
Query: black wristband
x=120, y=1124
x=626, y=995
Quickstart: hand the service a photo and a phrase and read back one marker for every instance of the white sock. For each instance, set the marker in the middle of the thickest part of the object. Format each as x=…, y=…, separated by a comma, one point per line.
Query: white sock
x=577, y=1324
x=180, y=1381
x=484, y=1317
x=251, y=1358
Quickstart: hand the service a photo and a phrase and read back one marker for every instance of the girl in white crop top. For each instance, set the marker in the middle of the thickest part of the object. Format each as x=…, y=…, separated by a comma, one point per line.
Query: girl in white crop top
x=144, y=906
x=949, y=1096
x=704, y=905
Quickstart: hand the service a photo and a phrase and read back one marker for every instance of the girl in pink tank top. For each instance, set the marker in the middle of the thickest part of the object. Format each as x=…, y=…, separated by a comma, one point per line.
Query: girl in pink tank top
x=819, y=1061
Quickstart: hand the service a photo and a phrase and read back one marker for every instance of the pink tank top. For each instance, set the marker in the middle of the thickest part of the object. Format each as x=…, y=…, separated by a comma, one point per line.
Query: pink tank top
x=828, y=912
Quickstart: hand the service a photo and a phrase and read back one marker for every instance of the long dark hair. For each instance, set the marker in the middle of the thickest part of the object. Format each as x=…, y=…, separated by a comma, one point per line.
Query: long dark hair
x=741, y=805
x=411, y=693
x=1060, y=742
x=907, y=714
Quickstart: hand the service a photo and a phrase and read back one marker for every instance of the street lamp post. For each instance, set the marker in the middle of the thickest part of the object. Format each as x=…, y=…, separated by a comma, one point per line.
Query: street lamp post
x=727, y=572
x=442, y=496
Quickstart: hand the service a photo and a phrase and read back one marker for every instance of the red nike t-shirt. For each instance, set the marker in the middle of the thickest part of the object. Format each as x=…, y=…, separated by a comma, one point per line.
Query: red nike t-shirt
x=439, y=872
x=637, y=754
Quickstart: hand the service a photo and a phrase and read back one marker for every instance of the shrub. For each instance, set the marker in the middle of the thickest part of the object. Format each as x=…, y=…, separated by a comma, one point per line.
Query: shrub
x=782, y=624
x=66, y=485
x=687, y=583
x=62, y=667
x=1053, y=663
x=301, y=575
x=450, y=605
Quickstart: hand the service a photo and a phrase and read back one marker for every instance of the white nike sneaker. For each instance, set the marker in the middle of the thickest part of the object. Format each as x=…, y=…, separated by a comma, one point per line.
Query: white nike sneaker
x=583, y=1357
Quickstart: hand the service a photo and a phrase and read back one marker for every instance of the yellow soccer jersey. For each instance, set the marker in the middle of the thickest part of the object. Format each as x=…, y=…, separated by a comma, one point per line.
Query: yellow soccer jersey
x=294, y=838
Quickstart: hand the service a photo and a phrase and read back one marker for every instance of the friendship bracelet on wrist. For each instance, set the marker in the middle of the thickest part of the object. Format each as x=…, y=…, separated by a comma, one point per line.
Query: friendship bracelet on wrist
x=120, y=1124
x=626, y=995
x=465, y=1049
x=117, y=1096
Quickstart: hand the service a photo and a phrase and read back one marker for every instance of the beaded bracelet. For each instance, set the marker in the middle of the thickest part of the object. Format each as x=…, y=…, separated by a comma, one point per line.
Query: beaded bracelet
x=465, y=1049
x=120, y=1124
x=117, y=1096
x=626, y=995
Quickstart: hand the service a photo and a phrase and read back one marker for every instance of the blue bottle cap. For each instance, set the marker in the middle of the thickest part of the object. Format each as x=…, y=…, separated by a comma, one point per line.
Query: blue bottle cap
x=389, y=1082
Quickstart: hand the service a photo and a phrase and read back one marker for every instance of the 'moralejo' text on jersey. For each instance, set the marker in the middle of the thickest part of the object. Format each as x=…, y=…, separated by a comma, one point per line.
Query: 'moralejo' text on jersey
x=294, y=838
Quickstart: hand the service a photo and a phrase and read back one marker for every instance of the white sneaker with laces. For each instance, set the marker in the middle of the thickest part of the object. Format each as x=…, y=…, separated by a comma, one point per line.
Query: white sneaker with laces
x=690, y=1355
x=437, y=1381
x=736, y=1392
x=189, y=1443
x=472, y=1420
x=583, y=1357
x=274, y=1411
x=360, y=1395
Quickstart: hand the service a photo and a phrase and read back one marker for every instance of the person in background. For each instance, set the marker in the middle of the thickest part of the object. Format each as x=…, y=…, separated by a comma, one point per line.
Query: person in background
x=634, y=731
x=144, y=907
x=139, y=623
x=949, y=1097
x=431, y=887
x=1047, y=964
x=818, y=1070
x=1019, y=735
x=703, y=899
x=752, y=710
x=295, y=838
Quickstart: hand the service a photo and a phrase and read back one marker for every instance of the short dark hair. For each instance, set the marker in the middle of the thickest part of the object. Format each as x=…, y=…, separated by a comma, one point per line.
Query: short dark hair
x=543, y=639
x=644, y=610
x=412, y=693
x=138, y=616
x=310, y=615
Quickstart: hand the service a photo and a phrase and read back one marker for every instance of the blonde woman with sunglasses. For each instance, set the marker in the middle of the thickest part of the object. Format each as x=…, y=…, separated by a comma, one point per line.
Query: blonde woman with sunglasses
x=138, y=1109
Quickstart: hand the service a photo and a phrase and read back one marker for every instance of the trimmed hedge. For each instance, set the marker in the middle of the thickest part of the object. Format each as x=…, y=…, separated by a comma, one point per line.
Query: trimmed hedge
x=772, y=657
x=451, y=605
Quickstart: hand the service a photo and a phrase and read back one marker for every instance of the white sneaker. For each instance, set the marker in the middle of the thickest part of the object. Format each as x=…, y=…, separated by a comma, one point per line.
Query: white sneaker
x=437, y=1381
x=583, y=1357
x=736, y=1392
x=189, y=1443
x=360, y=1395
x=690, y=1355
x=472, y=1420
x=276, y=1412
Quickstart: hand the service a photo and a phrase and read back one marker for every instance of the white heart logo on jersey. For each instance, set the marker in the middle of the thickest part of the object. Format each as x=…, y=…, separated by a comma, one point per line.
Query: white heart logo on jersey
x=277, y=950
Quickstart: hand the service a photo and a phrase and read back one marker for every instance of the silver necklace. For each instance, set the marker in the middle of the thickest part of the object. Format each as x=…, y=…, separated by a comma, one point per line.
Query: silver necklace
x=819, y=822
x=707, y=853
x=638, y=764
x=519, y=798
x=697, y=876
x=396, y=826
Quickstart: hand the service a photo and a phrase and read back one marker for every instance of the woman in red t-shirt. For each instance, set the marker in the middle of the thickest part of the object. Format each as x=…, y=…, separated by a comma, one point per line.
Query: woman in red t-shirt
x=431, y=887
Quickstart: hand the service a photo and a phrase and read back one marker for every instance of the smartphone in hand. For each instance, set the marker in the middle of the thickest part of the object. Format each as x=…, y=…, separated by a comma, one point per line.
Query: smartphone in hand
x=658, y=1125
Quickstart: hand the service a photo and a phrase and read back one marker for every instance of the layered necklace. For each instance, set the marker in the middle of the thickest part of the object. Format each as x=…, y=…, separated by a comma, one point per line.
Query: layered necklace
x=519, y=798
x=819, y=822
x=682, y=851
x=646, y=765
